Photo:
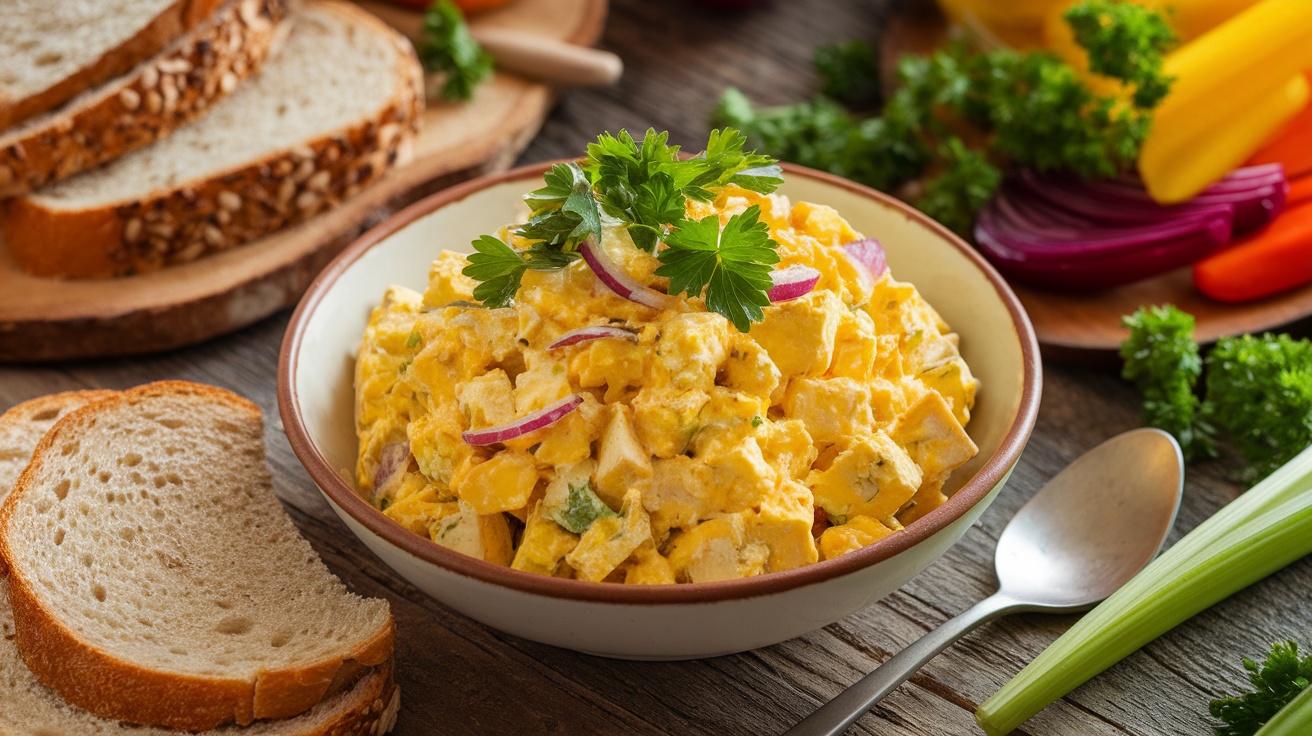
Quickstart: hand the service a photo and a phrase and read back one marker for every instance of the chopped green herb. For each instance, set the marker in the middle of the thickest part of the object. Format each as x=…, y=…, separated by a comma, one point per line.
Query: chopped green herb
x=731, y=264
x=1162, y=358
x=414, y=340
x=582, y=508
x=1125, y=41
x=405, y=366
x=448, y=48
x=1276, y=682
x=645, y=186
x=1260, y=390
x=383, y=503
x=850, y=73
x=757, y=421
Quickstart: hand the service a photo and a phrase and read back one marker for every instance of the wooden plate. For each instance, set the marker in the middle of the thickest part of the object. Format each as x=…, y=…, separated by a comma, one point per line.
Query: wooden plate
x=50, y=319
x=1075, y=327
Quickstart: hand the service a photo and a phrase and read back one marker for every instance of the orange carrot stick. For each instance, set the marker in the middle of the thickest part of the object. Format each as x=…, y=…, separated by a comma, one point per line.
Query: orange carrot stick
x=1292, y=146
x=1300, y=191
x=1277, y=259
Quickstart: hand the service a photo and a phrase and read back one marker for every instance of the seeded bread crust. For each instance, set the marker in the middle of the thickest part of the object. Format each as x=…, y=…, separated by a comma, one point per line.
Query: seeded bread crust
x=146, y=103
x=177, y=19
x=229, y=208
x=113, y=688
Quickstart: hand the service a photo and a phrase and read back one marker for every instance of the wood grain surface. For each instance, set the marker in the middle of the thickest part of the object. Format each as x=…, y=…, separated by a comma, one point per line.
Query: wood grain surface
x=459, y=677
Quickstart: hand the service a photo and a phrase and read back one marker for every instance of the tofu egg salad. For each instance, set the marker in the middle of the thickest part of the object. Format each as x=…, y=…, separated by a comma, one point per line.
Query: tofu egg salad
x=666, y=373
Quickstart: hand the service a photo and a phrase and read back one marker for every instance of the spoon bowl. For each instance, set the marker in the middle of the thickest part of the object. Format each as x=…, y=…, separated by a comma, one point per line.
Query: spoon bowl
x=1093, y=525
x=1089, y=530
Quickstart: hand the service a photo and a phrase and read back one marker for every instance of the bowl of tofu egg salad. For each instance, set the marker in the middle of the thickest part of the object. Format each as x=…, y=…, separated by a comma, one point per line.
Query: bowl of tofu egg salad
x=648, y=405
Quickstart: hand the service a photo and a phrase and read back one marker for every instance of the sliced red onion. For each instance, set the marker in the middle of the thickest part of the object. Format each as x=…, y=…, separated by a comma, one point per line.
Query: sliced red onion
x=617, y=280
x=584, y=334
x=392, y=464
x=870, y=254
x=525, y=424
x=792, y=282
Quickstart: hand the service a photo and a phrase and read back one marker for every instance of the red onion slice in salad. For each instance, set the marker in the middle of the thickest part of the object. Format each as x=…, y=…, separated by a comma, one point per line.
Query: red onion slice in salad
x=792, y=282
x=617, y=280
x=529, y=423
x=584, y=334
x=392, y=464
x=870, y=254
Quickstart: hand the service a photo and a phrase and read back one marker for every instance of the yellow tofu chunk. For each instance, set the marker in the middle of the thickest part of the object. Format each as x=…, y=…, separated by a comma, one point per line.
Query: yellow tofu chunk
x=929, y=497
x=611, y=540
x=823, y=223
x=617, y=364
x=716, y=549
x=677, y=493
x=858, y=532
x=665, y=419
x=689, y=350
x=856, y=347
x=833, y=409
x=783, y=524
x=799, y=334
x=484, y=536
x=570, y=439
x=543, y=546
x=649, y=567
x=487, y=400
x=872, y=477
x=446, y=283
x=953, y=380
x=787, y=445
x=749, y=369
x=418, y=511
x=545, y=382
x=622, y=462
x=933, y=437
x=441, y=453
x=504, y=482
x=740, y=476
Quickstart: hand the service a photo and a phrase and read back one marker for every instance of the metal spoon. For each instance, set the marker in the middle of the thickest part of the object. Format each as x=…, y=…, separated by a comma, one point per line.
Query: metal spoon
x=1082, y=536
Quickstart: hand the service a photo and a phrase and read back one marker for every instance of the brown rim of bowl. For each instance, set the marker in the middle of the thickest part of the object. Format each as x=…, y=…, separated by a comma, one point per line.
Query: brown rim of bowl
x=346, y=499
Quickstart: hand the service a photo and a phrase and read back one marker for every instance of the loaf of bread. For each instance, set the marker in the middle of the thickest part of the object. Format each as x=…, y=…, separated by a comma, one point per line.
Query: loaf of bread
x=50, y=52
x=154, y=577
x=144, y=103
x=329, y=113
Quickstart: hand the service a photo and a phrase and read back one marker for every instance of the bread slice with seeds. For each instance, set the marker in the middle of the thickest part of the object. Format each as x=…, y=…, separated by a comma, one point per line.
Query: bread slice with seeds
x=336, y=107
x=49, y=52
x=143, y=104
x=154, y=577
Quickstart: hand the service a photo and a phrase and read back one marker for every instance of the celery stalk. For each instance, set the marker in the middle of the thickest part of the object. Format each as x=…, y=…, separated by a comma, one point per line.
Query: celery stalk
x=1262, y=531
x=1295, y=719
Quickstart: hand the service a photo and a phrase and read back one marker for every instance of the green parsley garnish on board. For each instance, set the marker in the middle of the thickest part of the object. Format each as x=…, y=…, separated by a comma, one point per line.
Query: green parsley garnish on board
x=961, y=116
x=448, y=48
x=644, y=186
x=1258, y=389
x=1276, y=683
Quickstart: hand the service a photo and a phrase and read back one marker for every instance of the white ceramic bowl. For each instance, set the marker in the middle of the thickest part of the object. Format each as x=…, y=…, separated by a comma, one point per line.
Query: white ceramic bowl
x=673, y=621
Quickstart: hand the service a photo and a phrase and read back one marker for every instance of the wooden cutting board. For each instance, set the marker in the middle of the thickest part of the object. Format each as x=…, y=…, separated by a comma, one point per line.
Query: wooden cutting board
x=50, y=319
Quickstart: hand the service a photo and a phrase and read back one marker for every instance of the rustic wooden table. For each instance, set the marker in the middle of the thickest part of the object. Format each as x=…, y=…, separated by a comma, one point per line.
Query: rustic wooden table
x=459, y=677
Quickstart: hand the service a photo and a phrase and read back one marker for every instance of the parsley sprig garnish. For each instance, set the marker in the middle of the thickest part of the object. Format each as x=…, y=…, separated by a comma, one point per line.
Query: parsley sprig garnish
x=644, y=186
x=733, y=262
x=449, y=49
x=1276, y=682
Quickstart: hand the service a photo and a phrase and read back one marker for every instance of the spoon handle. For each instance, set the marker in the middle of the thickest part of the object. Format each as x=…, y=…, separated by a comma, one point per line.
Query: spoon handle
x=834, y=717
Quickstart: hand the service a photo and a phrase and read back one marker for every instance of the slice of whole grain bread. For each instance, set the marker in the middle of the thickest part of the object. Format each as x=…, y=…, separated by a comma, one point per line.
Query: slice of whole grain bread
x=144, y=103
x=50, y=52
x=154, y=577
x=328, y=114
